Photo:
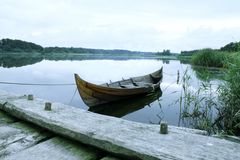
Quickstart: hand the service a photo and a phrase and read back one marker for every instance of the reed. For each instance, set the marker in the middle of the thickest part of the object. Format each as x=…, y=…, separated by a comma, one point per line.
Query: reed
x=197, y=105
x=229, y=111
x=210, y=58
x=215, y=109
x=226, y=100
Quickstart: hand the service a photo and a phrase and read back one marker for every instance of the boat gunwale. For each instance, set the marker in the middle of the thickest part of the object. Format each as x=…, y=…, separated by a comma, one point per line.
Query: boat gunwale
x=109, y=88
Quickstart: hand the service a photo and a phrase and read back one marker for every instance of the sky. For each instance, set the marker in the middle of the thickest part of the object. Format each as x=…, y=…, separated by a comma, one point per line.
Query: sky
x=139, y=25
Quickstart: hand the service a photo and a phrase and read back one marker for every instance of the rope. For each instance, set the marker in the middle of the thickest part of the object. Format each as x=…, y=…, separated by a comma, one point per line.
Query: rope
x=73, y=96
x=38, y=84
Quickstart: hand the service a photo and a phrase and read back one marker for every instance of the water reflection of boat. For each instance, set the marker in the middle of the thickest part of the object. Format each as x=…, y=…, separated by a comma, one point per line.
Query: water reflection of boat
x=93, y=94
x=126, y=106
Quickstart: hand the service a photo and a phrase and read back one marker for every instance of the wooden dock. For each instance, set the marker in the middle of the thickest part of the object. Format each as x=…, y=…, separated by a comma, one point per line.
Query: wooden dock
x=20, y=140
x=67, y=132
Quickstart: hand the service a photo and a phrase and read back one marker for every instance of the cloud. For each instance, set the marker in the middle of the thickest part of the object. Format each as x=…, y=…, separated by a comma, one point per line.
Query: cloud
x=136, y=25
x=36, y=33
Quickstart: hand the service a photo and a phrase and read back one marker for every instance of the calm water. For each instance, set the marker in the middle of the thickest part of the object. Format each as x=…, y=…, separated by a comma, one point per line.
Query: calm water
x=101, y=71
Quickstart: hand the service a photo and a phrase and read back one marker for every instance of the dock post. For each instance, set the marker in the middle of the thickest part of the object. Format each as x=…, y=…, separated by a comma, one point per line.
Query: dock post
x=178, y=75
x=30, y=97
x=164, y=128
x=48, y=106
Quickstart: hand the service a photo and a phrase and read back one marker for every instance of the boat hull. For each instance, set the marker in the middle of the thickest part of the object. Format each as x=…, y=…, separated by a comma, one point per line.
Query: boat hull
x=94, y=95
x=126, y=106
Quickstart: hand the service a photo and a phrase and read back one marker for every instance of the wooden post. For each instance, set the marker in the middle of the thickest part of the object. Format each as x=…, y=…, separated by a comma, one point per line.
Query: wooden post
x=178, y=75
x=48, y=106
x=164, y=128
x=30, y=97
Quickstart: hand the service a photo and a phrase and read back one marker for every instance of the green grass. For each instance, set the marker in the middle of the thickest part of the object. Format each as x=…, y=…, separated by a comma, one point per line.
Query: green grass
x=228, y=102
x=229, y=111
x=210, y=58
x=196, y=106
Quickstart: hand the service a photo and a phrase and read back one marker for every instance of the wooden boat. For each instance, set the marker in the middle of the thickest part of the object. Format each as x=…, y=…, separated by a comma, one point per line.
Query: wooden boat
x=93, y=94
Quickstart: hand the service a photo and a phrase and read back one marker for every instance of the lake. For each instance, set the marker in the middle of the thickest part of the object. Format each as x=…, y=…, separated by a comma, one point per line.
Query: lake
x=152, y=109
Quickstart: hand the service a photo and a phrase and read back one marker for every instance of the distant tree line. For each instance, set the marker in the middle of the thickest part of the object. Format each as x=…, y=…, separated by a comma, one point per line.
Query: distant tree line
x=231, y=47
x=189, y=53
x=9, y=45
x=89, y=50
x=165, y=52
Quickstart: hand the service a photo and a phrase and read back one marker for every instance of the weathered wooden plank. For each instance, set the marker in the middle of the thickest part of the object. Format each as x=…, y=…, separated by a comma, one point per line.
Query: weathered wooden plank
x=229, y=138
x=18, y=136
x=122, y=137
x=56, y=149
x=6, y=119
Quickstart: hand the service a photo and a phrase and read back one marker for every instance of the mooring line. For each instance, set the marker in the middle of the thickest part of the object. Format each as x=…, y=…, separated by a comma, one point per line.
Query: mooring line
x=38, y=84
x=73, y=96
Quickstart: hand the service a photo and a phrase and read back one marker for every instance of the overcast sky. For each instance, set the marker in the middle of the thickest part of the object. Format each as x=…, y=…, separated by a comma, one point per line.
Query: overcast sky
x=144, y=25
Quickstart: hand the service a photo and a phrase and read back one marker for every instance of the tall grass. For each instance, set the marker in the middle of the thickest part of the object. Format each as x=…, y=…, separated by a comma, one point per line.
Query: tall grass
x=228, y=100
x=229, y=111
x=209, y=58
x=197, y=105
